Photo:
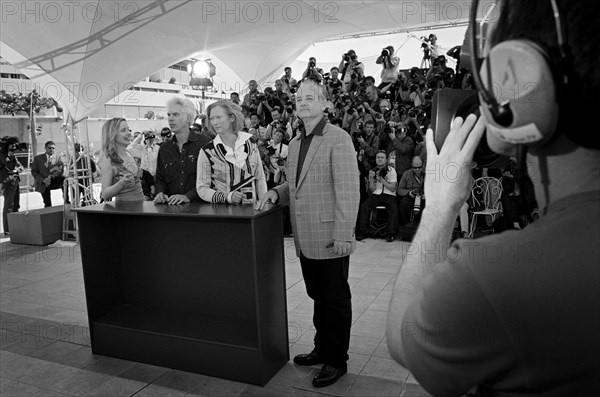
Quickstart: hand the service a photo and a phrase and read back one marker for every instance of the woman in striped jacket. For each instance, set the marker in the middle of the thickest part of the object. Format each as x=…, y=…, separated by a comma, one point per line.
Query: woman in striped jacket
x=230, y=159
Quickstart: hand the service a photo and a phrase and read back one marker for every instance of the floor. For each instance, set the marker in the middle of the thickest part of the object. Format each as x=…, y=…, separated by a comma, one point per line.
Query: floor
x=45, y=348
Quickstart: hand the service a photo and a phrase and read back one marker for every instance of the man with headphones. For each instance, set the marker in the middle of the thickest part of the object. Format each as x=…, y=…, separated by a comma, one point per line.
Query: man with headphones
x=514, y=313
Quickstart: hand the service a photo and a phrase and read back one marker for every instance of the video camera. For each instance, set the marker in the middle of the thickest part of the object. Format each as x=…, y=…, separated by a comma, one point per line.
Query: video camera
x=11, y=144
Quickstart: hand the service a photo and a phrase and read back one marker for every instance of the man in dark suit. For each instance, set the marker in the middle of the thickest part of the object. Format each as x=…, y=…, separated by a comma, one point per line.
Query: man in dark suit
x=323, y=194
x=47, y=169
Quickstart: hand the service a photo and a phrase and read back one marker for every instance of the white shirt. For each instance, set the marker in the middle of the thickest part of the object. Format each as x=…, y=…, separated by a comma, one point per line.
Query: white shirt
x=237, y=155
x=391, y=177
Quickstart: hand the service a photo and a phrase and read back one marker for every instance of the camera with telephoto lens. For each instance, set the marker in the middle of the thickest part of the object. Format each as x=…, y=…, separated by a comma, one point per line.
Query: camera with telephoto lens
x=312, y=64
x=260, y=97
x=294, y=89
x=346, y=57
x=385, y=52
x=417, y=205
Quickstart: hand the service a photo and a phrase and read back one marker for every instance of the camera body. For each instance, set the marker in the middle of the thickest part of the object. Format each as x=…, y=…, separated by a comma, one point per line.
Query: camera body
x=166, y=133
x=260, y=97
x=383, y=172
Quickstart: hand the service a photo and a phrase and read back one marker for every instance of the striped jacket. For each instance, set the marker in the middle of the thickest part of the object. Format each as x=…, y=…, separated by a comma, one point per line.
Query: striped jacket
x=216, y=174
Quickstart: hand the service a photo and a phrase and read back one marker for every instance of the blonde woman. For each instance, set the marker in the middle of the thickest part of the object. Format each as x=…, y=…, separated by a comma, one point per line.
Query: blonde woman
x=229, y=159
x=120, y=172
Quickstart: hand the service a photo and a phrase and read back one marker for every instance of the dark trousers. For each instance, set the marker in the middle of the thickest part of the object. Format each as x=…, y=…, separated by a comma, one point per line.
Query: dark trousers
x=55, y=184
x=11, y=202
x=405, y=208
x=386, y=200
x=327, y=285
x=46, y=197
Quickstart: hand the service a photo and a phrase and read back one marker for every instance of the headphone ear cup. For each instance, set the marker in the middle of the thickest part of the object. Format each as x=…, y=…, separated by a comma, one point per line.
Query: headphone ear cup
x=522, y=79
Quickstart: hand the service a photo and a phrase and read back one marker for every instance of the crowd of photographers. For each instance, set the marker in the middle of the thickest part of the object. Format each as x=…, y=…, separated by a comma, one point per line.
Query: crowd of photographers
x=387, y=123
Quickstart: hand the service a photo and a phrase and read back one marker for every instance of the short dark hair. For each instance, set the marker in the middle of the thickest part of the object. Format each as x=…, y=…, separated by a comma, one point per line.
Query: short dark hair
x=49, y=143
x=370, y=122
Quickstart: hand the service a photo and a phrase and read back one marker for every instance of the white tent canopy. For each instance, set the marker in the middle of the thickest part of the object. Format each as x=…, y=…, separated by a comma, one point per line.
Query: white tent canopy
x=85, y=53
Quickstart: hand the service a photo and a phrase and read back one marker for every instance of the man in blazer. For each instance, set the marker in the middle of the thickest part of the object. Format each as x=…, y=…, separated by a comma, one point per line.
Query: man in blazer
x=47, y=169
x=323, y=194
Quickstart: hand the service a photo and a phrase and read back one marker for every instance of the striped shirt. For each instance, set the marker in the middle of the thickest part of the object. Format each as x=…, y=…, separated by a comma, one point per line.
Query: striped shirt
x=221, y=167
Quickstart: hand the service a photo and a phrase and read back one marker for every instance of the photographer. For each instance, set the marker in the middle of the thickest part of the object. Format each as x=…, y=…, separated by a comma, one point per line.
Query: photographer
x=334, y=86
x=312, y=71
x=400, y=145
x=288, y=81
x=372, y=106
x=416, y=95
x=368, y=146
x=410, y=189
x=390, y=62
x=353, y=71
x=279, y=123
x=268, y=101
x=9, y=178
x=250, y=99
x=259, y=133
x=279, y=93
x=276, y=158
x=382, y=187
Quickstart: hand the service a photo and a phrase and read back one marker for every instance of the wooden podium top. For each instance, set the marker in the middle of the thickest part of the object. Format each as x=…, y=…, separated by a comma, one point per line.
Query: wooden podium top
x=200, y=210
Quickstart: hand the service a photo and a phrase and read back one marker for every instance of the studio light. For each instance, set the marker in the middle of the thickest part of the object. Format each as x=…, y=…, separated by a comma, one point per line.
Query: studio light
x=201, y=73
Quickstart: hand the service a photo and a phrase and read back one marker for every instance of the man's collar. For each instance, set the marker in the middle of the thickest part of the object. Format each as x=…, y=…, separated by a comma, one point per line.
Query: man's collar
x=194, y=136
x=318, y=130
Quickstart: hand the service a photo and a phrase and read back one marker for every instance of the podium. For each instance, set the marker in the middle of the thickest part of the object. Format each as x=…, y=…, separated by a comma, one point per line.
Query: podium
x=197, y=287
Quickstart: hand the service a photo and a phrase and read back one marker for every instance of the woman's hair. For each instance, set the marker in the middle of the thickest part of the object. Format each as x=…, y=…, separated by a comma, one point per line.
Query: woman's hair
x=187, y=107
x=231, y=109
x=109, y=135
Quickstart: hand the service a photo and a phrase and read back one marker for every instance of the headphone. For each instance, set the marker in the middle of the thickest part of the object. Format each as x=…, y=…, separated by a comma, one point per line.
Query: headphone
x=523, y=108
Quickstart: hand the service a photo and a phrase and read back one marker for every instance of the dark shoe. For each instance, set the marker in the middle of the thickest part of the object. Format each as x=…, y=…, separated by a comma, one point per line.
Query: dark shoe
x=6, y=233
x=390, y=238
x=328, y=375
x=360, y=237
x=312, y=358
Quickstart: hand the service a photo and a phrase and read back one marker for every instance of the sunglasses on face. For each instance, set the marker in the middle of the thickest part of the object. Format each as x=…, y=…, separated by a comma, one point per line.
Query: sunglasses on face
x=417, y=168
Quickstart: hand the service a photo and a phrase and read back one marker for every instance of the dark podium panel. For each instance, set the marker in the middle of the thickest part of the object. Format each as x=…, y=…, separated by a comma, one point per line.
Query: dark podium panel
x=197, y=287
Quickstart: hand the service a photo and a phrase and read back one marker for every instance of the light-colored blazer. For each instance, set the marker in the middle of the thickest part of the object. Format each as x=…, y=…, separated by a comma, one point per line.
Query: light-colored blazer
x=324, y=204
